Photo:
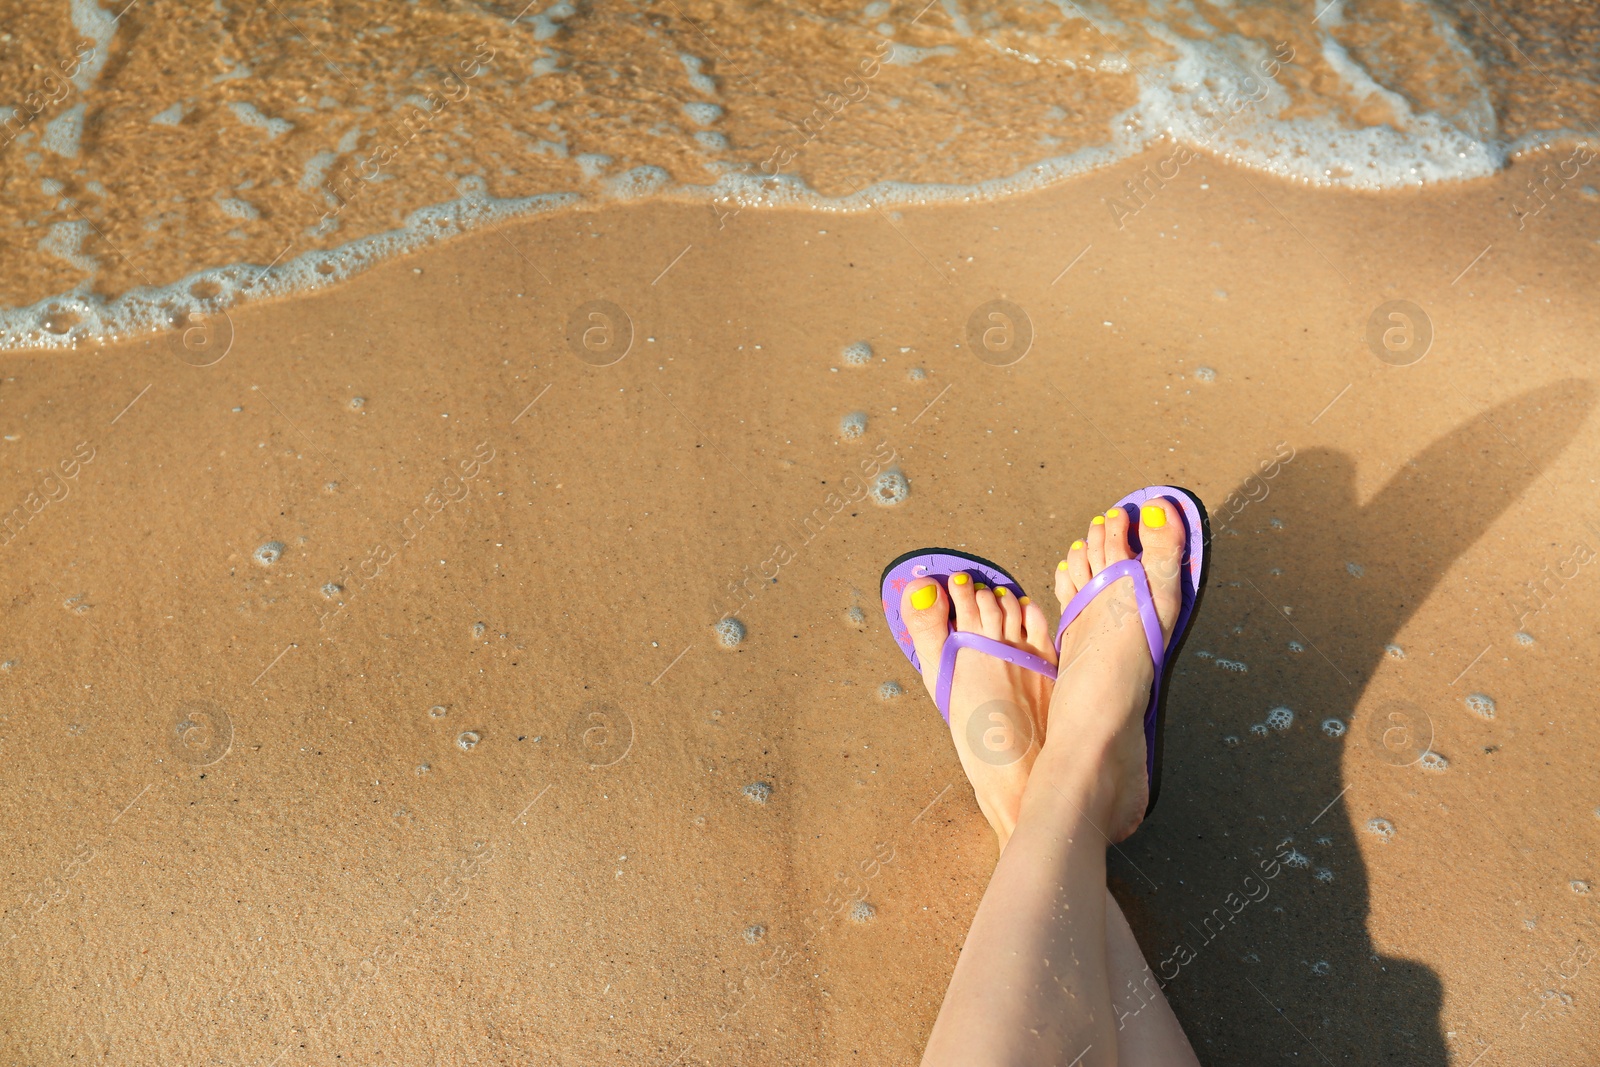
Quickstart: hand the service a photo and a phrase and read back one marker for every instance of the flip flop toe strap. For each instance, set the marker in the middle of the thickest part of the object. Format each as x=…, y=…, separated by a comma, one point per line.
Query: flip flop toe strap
x=1128, y=568
x=958, y=640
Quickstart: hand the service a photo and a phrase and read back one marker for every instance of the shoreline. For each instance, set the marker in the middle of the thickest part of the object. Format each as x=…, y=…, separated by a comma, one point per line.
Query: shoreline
x=74, y=319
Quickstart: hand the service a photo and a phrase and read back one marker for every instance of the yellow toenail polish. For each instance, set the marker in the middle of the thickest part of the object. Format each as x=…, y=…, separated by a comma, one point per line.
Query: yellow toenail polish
x=1025, y=601
x=923, y=598
x=959, y=579
x=999, y=590
x=1152, y=516
x=1098, y=520
x=1063, y=564
x=1075, y=546
x=979, y=585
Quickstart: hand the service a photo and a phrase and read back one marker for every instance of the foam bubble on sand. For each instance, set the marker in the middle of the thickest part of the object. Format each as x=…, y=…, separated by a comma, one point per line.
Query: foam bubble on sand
x=423, y=768
x=889, y=690
x=331, y=589
x=99, y=26
x=858, y=354
x=468, y=740
x=1333, y=727
x=357, y=403
x=1297, y=859
x=701, y=81
x=1231, y=740
x=1322, y=968
x=269, y=553
x=853, y=425
x=1481, y=704
x=1296, y=646
x=1231, y=665
x=1322, y=874
x=855, y=616
x=916, y=374
x=237, y=208
x=63, y=134
x=862, y=912
x=890, y=488
x=1382, y=829
x=1259, y=729
x=1432, y=761
x=754, y=933
x=1205, y=374
x=1524, y=639
x=638, y=183
x=438, y=711
x=1280, y=718
x=758, y=792
x=592, y=164
x=730, y=631
x=1579, y=886
x=251, y=115
x=1356, y=570
x=702, y=114
x=1394, y=651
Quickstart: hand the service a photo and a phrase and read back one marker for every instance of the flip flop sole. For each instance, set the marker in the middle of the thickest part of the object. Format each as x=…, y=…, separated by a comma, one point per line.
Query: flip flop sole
x=1197, y=524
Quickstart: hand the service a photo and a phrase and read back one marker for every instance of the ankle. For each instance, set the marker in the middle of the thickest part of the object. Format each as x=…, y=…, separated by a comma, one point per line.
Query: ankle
x=1070, y=783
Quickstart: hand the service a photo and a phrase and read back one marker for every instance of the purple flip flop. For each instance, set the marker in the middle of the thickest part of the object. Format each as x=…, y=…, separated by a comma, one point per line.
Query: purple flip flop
x=1197, y=524
x=941, y=563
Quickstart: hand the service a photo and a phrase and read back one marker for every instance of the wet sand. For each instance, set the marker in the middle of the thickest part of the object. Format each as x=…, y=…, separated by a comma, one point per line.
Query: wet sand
x=461, y=776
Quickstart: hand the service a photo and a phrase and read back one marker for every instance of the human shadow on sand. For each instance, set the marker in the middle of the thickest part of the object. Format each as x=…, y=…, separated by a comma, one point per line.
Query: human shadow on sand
x=1246, y=887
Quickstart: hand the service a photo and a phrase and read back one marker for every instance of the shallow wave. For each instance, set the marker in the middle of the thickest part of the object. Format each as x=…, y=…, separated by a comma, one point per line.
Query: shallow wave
x=137, y=198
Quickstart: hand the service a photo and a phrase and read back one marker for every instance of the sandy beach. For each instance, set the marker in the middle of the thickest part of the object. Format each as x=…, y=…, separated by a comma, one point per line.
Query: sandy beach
x=364, y=701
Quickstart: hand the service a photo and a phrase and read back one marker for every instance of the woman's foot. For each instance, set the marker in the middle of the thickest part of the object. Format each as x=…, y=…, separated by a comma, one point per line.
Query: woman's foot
x=1096, y=715
x=996, y=708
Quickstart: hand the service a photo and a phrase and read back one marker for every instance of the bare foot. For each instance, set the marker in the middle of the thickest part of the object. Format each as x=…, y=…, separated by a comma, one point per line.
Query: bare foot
x=1096, y=714
x=996, y=707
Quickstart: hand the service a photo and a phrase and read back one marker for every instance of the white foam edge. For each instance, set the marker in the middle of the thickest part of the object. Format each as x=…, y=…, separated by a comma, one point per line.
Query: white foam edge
x=146, y=309
x=157, y=308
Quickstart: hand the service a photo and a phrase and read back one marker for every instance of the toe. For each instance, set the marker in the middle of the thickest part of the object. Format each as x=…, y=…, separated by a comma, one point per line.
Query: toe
x=1078, y=566
x=989, y=617
x=926, y=610
x=1162, y=536
x=963, y=594
x=1116, y=528
x=1066, y=589
x=1036, y=634
x=1096, y=540
x=1010, y=616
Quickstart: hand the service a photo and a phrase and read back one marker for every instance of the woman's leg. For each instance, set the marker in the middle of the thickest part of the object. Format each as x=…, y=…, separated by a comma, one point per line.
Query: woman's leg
x=1034, y=984
x=1148, y=1034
